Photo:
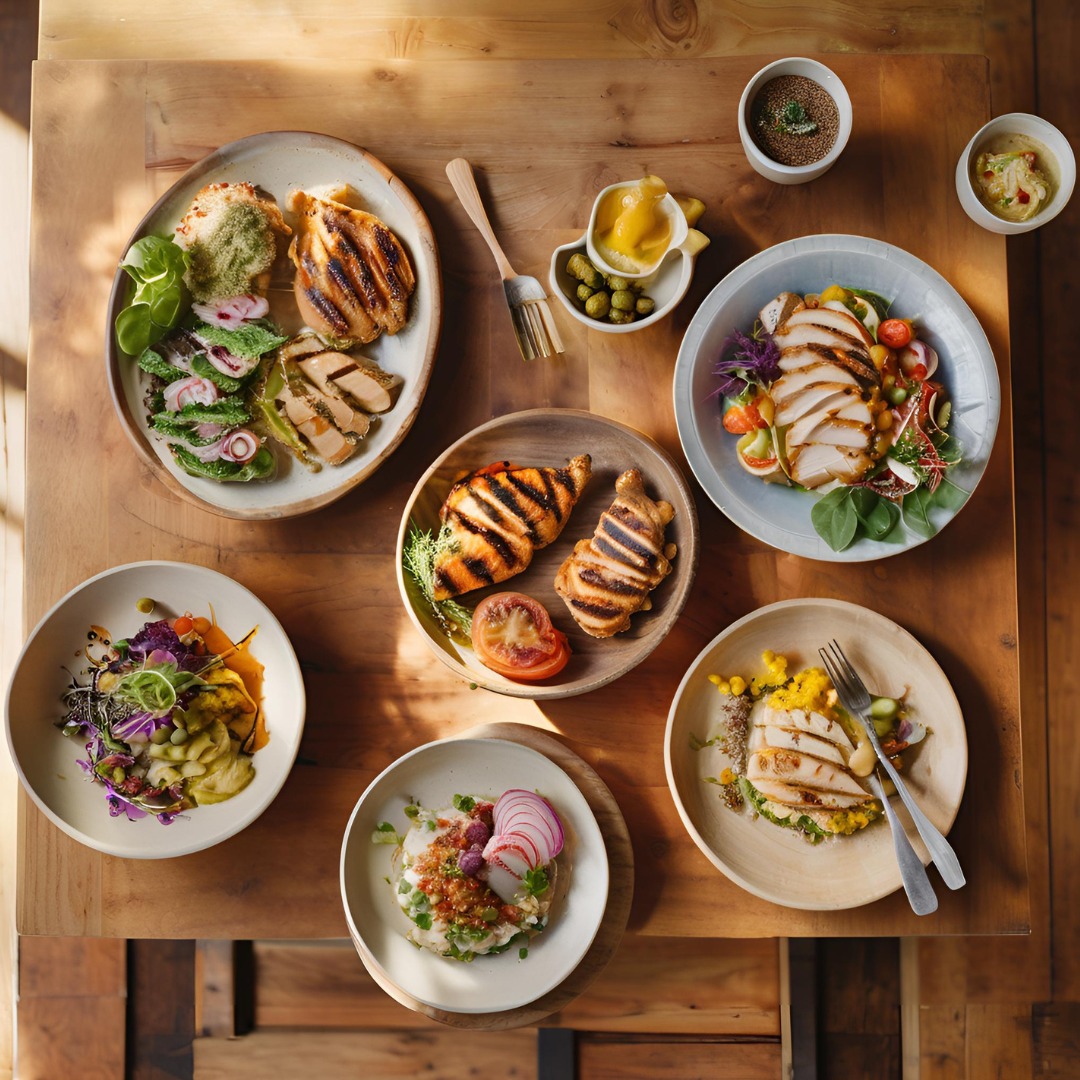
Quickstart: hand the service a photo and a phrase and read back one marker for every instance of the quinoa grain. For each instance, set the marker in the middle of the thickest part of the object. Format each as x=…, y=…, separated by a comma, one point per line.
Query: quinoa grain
x=774, y=136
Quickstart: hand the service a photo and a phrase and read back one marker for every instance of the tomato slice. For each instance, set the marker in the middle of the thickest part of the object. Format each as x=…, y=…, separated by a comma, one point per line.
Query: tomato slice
x=513, y=636
x=896, y=333
x=740, y=419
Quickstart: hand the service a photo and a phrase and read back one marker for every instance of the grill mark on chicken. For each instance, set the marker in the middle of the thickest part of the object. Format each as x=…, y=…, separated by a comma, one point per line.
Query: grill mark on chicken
x=610, y=575
x=498, y=517
x=495, y=539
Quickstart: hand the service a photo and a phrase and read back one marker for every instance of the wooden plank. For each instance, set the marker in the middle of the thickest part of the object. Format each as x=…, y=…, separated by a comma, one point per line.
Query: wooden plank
x=942, y=1042
x=1056, y=1038
x=298, y=569
x=161, y=1009
x=670, y=985
x=447, y=1054
x=71, y=1011
x=655, y=1060
x=999, y=1041
x=608, y=29
x=1056, y=47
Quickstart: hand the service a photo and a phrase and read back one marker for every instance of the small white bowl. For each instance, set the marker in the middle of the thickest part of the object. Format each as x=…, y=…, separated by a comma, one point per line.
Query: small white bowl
x=830, y=82
x=666, y=285
x=1023, y=124
x=668, y=206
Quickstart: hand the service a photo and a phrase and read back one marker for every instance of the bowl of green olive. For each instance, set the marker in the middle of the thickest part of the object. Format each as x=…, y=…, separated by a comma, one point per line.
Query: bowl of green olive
x=617, y=305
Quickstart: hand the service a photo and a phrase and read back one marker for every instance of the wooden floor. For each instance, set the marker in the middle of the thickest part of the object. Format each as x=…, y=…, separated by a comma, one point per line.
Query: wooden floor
x=941, y=1010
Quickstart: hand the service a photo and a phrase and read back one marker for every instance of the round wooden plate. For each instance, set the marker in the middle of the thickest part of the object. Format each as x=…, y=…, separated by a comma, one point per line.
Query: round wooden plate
x=776, y=863
x=620, y=855
x=549, y=437
x=278, y=162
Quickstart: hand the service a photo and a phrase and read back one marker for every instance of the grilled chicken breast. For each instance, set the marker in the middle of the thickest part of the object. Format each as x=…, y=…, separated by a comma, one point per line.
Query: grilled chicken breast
x=609, y=576
x=353, y=278
x=498, y=516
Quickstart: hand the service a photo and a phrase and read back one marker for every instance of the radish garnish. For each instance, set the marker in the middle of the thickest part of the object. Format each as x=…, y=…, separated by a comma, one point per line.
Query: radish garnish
x=190, y=391
x=525, y=814
x=232, y=311
x=240, y=445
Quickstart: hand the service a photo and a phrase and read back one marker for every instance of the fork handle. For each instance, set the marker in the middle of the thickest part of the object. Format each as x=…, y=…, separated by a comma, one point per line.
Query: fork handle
x=463, y=182
x=941, y=852
x=920, y=892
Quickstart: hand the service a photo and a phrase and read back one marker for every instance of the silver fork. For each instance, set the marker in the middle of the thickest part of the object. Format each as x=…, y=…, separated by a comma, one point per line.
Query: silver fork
x=920, y=892
x=856, y=699
x=533, y=324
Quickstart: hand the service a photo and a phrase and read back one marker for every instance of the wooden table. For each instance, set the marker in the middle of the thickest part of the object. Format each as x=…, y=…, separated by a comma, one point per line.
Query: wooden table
x=545, y=135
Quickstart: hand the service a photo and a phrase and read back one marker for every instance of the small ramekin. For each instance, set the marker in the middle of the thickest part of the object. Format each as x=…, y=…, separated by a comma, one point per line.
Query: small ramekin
x=825, y=78
x=1034, y=127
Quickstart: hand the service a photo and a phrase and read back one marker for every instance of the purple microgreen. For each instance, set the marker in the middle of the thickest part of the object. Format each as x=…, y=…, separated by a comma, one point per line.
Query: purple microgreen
x=745, y=359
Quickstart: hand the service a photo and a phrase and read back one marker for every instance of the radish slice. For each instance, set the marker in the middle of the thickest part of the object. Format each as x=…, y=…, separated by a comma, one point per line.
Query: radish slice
x=502, y=882
x=520, y=811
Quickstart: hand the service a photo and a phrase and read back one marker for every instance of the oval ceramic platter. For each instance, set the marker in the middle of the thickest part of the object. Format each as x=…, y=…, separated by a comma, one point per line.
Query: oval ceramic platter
x=432, y=775
x=778, y=515
x=776, y=863
x=47, y=761
x=279, y=162
x=549, y=437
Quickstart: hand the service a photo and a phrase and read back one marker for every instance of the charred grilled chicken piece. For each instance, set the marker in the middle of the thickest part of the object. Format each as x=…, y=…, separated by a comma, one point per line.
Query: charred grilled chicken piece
x=353, y=278
x=498, y=516
x=610, y=576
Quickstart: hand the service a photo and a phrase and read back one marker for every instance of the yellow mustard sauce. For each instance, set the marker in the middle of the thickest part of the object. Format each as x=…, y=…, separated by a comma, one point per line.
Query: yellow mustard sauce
x=632, y=232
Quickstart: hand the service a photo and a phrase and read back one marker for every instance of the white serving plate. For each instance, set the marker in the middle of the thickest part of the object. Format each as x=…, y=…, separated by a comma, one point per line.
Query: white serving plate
x=776, y=863
x=46, y=759
x=778, y=515
x=433, y=774
x=278, y=162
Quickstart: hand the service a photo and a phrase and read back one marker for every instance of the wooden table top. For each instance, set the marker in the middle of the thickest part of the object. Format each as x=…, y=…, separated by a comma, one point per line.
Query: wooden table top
x=545, y=136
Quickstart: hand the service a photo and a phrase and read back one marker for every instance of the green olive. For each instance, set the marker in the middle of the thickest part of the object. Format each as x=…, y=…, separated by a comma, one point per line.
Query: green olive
x=617, y=315
x=592, y=277
x=645, y=305
x=598, y=305
x=584, y=292
x=623, y=300
x=617, y=283
x=577, y=265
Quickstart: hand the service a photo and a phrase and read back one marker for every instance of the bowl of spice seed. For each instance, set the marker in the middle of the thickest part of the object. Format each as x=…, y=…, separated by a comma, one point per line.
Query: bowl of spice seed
x=794, y=120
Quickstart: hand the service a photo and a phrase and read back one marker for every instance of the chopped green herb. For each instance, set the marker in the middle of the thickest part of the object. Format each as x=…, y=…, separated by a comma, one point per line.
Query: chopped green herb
x=423, y=920
x=464, y=803
x=522, y=953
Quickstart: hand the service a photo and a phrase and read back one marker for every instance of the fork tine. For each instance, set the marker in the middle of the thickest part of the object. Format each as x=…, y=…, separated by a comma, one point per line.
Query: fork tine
x=837, y=667
x=851, y=674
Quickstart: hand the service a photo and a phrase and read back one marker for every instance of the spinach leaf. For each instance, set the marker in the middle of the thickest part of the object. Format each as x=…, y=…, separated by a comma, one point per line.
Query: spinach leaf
x=835, y=519
x=156, y=265
x=917, y=512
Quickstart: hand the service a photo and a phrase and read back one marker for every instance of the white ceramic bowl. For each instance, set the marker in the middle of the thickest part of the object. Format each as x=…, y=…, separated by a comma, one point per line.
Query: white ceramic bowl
x=776, y=863
x=779, y=515
x=668, y=206
x=667, y=286
x=824, y=77
x=433, y=774
x=1016, y=124
x=46, y=760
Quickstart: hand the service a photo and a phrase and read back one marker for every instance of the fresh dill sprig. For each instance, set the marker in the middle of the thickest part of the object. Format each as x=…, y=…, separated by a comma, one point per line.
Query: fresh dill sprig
x=418, y=558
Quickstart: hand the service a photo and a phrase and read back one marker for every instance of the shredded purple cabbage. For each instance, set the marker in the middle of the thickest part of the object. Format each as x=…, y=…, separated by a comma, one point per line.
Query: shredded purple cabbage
x=160, y=637
x=743, y=360
x=140, y=725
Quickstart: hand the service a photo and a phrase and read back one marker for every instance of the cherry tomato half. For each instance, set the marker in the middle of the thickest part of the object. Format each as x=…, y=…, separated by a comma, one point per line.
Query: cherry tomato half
x=513, y=636
x=740, y=419
x=896, y=333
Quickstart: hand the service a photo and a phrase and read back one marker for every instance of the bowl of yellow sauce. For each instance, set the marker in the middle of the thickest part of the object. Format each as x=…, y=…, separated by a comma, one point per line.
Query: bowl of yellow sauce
x=1017, y=173
x=633, y=227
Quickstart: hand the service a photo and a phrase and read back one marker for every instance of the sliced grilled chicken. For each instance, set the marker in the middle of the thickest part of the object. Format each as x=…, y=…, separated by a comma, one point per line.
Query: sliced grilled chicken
x=359, y=377
x=783, y=738
x=812, y=723
x=802, y=770
x=850, y=426
x=812, y=334
x=499, y=516
x=842, y=322
x=353, y=278
x=608, y=577
x=325, y=439
x=779, y=791
x=776, y=312
x=796, y=357
x=815, y=398
x=794, y=382
x=818, y=463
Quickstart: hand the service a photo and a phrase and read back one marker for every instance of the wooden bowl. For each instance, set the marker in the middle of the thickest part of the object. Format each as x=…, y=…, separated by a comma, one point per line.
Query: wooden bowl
x=278, y=162
x=550, y=437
